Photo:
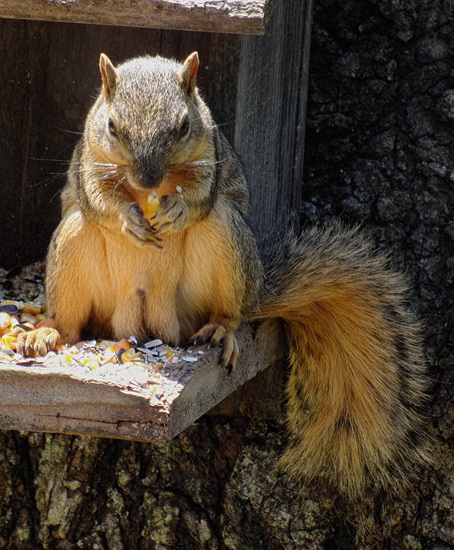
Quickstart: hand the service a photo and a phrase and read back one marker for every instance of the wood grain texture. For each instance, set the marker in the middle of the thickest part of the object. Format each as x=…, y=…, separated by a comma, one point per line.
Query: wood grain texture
x=37, y=398
x=228, y=16
x=271, y=113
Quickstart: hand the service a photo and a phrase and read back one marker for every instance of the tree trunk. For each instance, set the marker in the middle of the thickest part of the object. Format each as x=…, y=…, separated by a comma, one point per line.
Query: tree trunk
x=378, y=150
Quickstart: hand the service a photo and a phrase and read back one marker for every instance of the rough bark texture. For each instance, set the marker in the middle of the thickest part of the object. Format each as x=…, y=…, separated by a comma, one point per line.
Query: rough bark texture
x=379, y=150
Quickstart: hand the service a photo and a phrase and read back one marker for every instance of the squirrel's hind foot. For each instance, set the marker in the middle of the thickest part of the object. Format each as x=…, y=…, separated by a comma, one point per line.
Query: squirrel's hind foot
x=215, y=333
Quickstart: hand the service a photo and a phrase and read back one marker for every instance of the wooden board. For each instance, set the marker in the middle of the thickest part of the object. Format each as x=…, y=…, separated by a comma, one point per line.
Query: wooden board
x=37, y=398
x=226, y=16
x=270, y=118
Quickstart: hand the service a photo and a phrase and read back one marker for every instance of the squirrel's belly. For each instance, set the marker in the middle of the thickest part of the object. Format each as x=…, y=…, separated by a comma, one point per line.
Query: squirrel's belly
x=143, y=285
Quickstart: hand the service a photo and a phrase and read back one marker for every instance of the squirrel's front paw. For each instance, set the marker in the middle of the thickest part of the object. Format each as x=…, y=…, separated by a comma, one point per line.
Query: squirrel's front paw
x=136, y=226
x=172, y=214
x=215, y=332
x=37, y=342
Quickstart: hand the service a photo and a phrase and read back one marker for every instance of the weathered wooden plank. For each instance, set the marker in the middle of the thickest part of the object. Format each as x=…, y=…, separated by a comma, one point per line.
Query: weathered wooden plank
x=227, y=16
x=59, y=400
x=270, y=116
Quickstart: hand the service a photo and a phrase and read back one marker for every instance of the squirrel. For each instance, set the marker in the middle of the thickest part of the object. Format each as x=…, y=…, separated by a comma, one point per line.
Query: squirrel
x=193, y=272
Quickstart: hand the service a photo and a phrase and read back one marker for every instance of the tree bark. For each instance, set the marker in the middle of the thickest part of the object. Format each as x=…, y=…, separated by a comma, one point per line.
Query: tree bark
x=378, y=151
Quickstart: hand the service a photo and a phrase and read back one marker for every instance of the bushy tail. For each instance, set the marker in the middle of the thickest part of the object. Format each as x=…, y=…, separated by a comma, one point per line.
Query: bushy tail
x=357, y=384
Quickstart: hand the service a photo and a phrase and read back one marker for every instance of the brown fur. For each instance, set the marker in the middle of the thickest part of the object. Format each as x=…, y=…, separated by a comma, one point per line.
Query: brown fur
x=354, y=394
x=193, y=272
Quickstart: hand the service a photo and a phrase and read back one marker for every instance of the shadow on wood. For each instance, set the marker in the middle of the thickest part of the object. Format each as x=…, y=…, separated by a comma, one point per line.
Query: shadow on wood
x=60, y=400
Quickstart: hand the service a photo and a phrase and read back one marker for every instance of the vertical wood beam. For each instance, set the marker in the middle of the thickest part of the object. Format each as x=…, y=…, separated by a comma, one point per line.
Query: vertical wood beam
x=271, y=112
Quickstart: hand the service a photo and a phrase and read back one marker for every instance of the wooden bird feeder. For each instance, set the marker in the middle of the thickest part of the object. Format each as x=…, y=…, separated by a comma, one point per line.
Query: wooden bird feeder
x=254, y=72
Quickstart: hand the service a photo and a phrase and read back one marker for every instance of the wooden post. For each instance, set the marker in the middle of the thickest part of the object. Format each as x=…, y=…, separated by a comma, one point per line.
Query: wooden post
x=271, y=113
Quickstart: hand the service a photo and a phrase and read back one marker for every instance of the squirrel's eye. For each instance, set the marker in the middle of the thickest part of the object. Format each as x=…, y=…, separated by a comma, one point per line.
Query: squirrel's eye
x=185, y=126
x=112, y=129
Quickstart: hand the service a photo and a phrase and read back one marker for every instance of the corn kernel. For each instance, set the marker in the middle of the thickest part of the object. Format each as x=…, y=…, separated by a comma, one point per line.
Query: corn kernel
x=5, y=330
x=152, y=203
x=130, y=355
x=32, y=308
x=5, y=320
x=109, y=356
x=9, y=342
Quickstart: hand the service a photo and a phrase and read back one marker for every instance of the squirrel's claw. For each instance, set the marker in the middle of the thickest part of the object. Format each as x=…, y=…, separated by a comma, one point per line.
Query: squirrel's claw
x=37, y=342
x=136, y=226
x=230, y=352
x=172, y=214
x=214, y=333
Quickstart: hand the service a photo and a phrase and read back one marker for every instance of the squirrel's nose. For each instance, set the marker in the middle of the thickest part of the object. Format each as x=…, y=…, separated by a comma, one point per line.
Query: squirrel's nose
x=150, y=175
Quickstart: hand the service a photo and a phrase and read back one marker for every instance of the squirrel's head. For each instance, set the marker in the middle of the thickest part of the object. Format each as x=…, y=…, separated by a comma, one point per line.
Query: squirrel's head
x=150, y=118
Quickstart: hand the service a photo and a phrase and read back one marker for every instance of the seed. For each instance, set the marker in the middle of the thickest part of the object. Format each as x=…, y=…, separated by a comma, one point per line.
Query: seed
x=152, y=203
x=153, y=343
x=130, y=355
x=12, y=309
x=11, y=303
x=32, y=308
x=9, y=342
x=5, y=320
x=48, y=322
x=5, y=330
x=92, y=364
x=14, y=320
x=121, y=344
x=28, y=318
x=109, y=356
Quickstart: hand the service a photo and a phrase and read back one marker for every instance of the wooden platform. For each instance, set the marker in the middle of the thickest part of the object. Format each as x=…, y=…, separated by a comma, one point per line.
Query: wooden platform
x=37, y=398
x=222, y=16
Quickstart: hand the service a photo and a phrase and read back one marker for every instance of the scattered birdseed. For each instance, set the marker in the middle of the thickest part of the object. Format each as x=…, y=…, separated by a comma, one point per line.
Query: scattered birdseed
x=139, y=366
x=190, y=358
x=153, y=343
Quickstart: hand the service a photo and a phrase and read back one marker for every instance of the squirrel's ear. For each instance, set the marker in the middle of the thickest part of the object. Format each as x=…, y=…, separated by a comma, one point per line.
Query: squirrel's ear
x=109, y=75
x=189, y=72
